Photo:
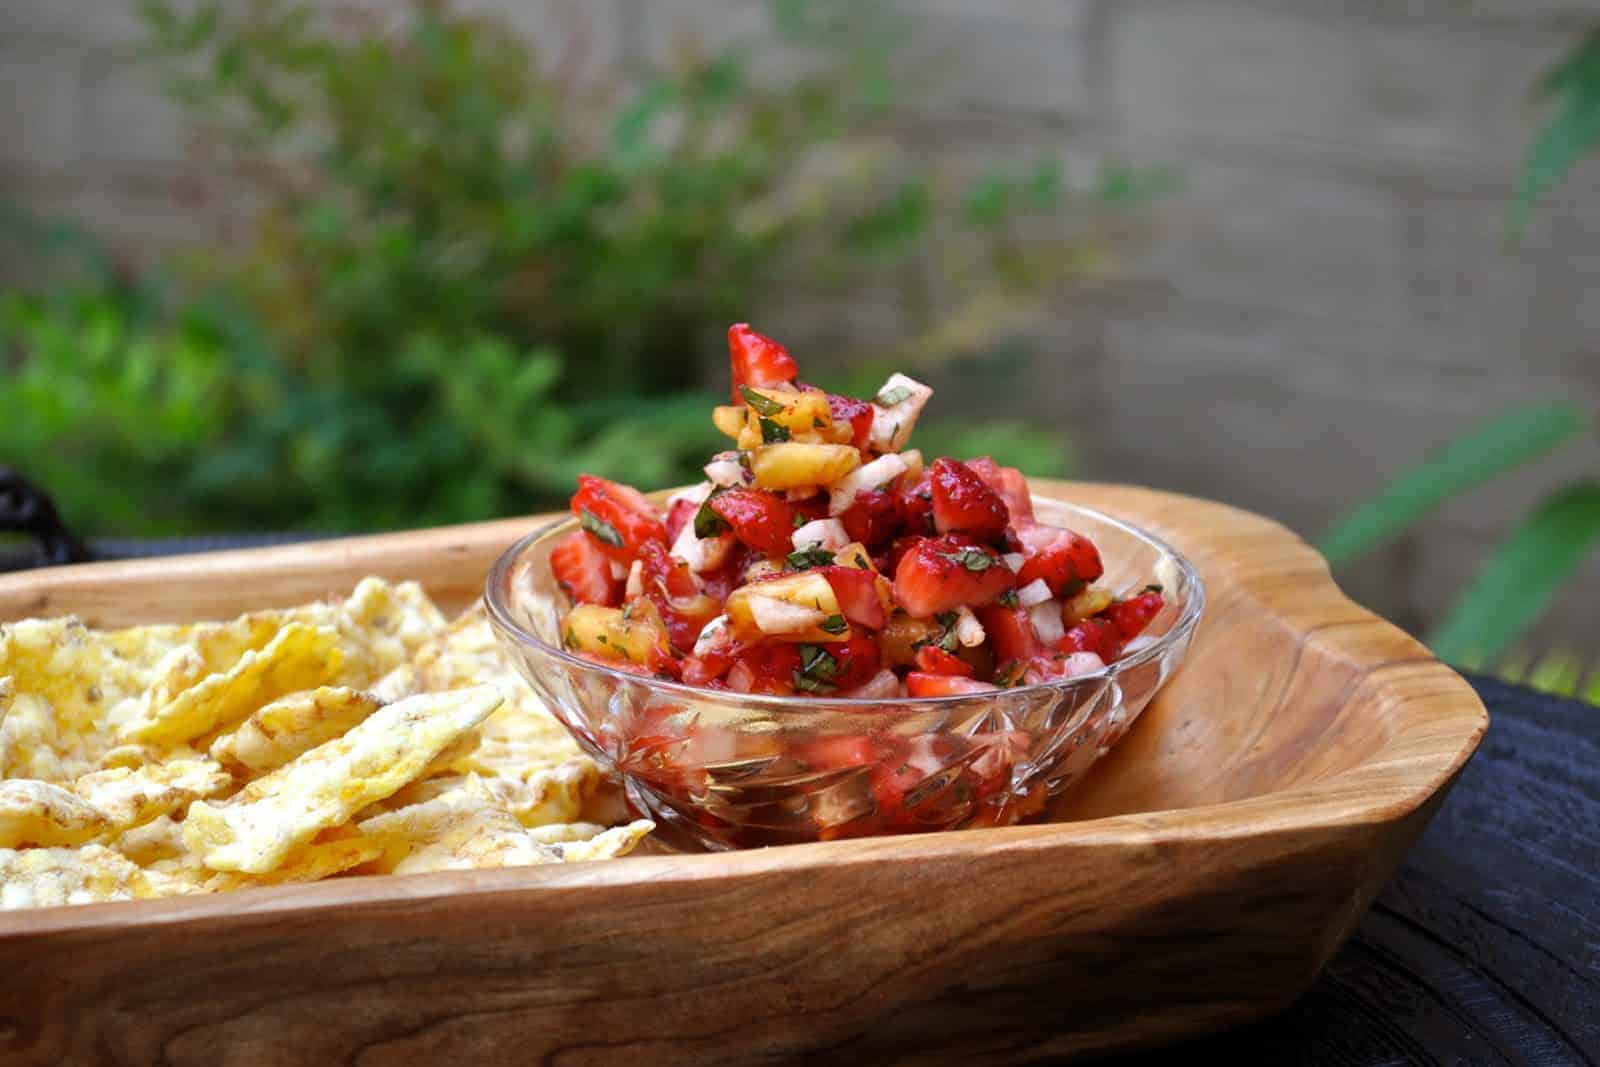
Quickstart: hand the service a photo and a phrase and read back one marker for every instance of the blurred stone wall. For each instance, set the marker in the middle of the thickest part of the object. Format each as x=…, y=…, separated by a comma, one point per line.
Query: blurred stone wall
x=1328, y=297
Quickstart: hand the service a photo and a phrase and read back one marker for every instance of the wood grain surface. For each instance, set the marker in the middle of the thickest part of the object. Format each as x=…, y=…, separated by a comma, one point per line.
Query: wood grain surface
x=1200, y=877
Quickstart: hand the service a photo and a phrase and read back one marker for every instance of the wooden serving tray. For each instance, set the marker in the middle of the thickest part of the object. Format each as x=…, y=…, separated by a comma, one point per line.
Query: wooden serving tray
x=1199, y=877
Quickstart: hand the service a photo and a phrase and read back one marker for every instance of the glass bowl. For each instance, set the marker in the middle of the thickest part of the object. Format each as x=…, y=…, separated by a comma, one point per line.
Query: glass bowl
x=722, y=770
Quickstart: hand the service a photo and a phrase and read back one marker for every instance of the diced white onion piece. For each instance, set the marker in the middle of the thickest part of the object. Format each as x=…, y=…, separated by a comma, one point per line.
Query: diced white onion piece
x=725, y=469
x=774, y=616
x=1081, y=663
x=1047, y=621
x=913, y=459
x=829, y=533
x=1037, y=536
x=1035, y=592
x=635, y=580
x=969, y=631
x=618, y=571
x=880, y=471
x=714, y=635
x=1014, y=560
x=695, y=494
x=702, y=554
x=881, y=686
x=760, y=569
x=892, y=424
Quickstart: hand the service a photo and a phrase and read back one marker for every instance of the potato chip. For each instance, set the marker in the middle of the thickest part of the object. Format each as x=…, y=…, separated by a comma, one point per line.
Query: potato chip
x=298, y=657
x=310, y=863
x=158, y=840
x=130, y=796
x=609, y=844
x=462, y=828
x=290, y=725
x=381, y=627
x=273, y=815
x=43, y=877
x=67, y=684
x=40, y=814
x=561, y=832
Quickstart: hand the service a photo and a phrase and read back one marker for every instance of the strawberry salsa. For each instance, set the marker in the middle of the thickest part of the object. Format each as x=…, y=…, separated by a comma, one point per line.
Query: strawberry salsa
x=822, y=556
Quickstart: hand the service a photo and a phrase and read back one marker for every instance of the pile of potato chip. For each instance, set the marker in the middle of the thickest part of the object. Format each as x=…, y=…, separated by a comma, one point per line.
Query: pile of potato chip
x=368, y=736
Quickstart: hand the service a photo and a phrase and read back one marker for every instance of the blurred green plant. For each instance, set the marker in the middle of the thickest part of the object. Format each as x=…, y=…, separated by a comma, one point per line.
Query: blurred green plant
x=1516, y=584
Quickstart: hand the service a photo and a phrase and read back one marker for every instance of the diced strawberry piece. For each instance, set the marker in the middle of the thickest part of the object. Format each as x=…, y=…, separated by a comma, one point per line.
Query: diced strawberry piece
x=704, y=669
x=726, y=578
x=1096, y=635
x=897, y=552
x=858, y=413
x=1010, y=632
x=1047, y=667
x=920, y=684
x=1131, y=616
x=583, y=569
x=664, y=573
x=758, y=360
x=811, y=508
x=1066, y=561
x=872, y=518
x=943, y=574
x=619, y=516
x=679, y=515
x=670, y=583
x=931, y=659
x=962, y=502
x=1010, y=483
x=858, y=660
x=762, y=520
x=857, y=592
x=771, y=667
x=847, y=750
x=916, y=506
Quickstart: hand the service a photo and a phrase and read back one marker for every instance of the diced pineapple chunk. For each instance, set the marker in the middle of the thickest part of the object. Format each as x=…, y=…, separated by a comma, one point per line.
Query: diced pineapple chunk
x=855, y=555
x=729, y=418
x=901, y=638
x=793, y=464
x=634, y=633
x=1090, y=602
x=806, y=416
x=800, y=607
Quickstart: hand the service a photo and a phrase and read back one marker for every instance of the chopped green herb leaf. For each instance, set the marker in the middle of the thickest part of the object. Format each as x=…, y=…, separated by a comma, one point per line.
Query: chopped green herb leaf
x=946, y=619
x=815, y=662
x=571, y=638
x=817, y=423
x=773, y=432
x=974, y=559
x=804, y=559
x=762, y=405
x=948, y=641
x=1009, y=598
x=1151, y=588
x=708, y=523
x=890, y=397
x=812, y=685
x=599, y=527
x=800, y=520
x=602, y=639
x=835, y=624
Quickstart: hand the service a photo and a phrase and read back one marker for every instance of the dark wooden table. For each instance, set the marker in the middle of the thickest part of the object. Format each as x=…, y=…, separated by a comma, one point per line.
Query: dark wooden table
x=1485, y=949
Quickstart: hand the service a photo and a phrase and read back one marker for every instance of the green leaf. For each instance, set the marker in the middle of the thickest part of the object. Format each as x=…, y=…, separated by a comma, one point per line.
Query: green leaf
x=1514, y=587
x=773, y=432
x=1571, y=133
x=763, y=405
x=804, y=559
x=599, y=527
x=1493, y=448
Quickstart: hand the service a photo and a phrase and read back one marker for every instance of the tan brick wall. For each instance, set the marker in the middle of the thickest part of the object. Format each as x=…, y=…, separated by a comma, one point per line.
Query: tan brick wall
x=1329, y=297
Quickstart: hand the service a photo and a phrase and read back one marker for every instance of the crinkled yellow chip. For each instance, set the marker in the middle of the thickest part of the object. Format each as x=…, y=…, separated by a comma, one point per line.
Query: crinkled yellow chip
x=550, y=794
x=298, y=657
x=290, y=725
x=153, y=842
x=609, y=844
x=462, y=828
x=130, y=796
x=275, y=814
x=381, y=627
x=310, y=863
x=40, y=814
x=43, y=877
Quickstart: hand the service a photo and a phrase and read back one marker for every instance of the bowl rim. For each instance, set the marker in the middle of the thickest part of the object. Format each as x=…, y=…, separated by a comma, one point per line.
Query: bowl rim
x=1180, y=631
